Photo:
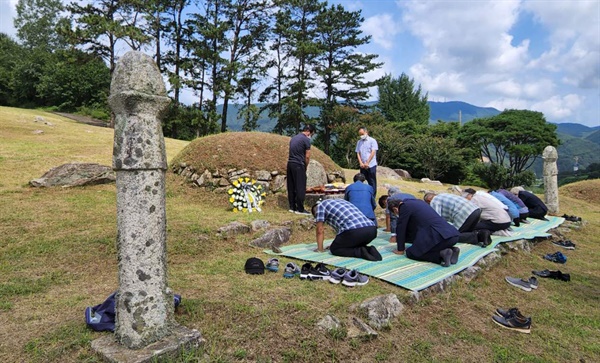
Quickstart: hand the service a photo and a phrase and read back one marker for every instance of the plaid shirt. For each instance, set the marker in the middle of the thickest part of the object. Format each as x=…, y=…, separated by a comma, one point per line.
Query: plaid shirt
x=341, y=215
x=453, y=208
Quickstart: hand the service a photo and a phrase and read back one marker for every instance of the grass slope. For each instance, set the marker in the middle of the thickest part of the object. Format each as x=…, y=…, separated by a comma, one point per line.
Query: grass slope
x=58, y=255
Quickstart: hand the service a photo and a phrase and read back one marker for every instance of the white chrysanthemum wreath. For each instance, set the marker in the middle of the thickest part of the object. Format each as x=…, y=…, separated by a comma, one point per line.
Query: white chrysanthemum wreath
x=246, y=195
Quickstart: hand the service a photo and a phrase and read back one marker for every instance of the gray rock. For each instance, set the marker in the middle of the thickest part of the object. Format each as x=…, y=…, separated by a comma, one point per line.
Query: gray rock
x=205, y=178
x=75, y=174
x=307, y=223
x=489, y=260
x=266, y=186
x=329, y=322
x=39, y=119
x=263, y=175
x=403, y=173
x=315, y=174
x=37, y=132
x=415, y=297
x=233, y=228
x=273, y=237
x=360, y=329
x=429, y=181
x=278, y=184
x=455, y=189
x=259, y=225
x=380, y=309
x=387, y=173
x=470, y=273
x=520, y=245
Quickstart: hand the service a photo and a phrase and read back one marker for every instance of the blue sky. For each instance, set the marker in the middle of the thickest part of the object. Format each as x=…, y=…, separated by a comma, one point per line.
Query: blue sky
x=539, y=55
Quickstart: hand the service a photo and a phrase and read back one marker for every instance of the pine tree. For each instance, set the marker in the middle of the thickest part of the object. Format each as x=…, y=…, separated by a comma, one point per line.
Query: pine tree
x=401, y=102
x=341, y=71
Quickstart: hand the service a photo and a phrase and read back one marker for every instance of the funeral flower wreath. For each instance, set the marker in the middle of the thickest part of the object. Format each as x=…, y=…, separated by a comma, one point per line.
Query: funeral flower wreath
x=246, y=195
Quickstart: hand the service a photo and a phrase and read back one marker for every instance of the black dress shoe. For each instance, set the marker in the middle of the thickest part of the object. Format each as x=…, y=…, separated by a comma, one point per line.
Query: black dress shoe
x=556, y=275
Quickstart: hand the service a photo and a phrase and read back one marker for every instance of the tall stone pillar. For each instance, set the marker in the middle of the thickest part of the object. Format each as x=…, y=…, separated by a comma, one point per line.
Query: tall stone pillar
x=550, y=155
x=144, y=312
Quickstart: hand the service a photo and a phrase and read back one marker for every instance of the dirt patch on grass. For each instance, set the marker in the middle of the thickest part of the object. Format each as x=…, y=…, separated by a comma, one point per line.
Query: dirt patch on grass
x=587, y=190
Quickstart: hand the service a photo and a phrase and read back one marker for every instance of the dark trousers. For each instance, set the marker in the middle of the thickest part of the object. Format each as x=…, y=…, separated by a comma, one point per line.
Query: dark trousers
x=296, y=186
x=491, y=226
x=523, y=216
x=433, y=255
x=467, y=231
x=371, y=177
x=537, y=213
x=348, y=243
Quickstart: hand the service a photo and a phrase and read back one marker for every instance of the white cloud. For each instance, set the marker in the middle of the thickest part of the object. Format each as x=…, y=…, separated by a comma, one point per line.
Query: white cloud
x=7, y=13
x=508, y=103
x=444, y=84
x=353, y=5
x=508, y=88
x=575, y=39
x=465, y=35
x=382, y=28
x=540, y=88
x=558, y=107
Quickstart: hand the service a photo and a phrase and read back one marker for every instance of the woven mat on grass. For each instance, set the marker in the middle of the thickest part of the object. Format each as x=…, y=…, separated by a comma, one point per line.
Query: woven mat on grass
x=410, y=274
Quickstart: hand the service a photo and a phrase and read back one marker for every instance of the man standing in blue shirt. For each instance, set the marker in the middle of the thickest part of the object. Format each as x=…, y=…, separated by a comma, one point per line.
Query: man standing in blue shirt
x=366, y=151
x=362, y=196
x=353, y=230
x=298, y=159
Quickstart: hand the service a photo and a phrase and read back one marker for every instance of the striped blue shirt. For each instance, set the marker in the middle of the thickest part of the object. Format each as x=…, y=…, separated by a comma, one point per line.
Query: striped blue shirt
x=453, y=208
x=341, y=215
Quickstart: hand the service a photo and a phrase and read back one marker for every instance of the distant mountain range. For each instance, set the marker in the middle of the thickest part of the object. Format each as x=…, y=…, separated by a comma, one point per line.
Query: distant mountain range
x=580, y=144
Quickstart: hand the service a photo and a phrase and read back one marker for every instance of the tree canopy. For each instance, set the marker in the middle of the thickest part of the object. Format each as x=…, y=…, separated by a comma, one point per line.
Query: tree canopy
x=513, y=139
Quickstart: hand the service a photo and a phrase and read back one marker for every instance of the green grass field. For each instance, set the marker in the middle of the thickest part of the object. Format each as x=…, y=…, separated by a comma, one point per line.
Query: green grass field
x=58, y=256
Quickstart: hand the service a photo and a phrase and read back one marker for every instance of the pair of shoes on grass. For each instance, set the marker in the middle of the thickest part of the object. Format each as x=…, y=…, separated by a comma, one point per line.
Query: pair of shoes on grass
x=557, y=275
x=317, y=272
x=348, y=278
x=525, y=285
x=567, y=244
x=571, y=218
x=512, y=319
x=557, y=257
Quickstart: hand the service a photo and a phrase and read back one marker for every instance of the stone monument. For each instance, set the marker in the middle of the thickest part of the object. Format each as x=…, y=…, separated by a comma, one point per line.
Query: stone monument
x=550, y=155
x=145, y=307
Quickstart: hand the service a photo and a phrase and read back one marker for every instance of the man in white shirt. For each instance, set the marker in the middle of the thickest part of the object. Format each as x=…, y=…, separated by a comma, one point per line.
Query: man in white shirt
x=366, y=152
x=494, y=215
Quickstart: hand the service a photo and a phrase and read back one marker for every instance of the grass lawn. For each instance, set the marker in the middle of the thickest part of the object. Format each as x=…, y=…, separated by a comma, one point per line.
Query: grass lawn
x=58, y=256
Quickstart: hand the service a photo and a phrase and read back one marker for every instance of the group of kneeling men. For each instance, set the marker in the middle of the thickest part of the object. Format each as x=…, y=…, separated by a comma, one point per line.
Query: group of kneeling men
x=432, y=226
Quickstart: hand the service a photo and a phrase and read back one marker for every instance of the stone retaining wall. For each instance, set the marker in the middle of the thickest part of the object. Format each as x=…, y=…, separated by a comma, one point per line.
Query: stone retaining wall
x=219, y=180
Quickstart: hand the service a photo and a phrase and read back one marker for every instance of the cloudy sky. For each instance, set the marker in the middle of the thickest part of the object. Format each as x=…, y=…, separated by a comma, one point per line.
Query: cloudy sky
x=537, y=55
x=541, y=55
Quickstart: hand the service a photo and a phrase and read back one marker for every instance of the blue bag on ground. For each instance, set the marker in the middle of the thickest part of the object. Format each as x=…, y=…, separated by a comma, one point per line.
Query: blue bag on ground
x=102, y=317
